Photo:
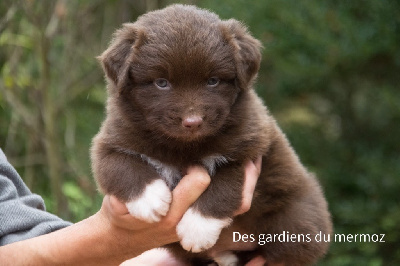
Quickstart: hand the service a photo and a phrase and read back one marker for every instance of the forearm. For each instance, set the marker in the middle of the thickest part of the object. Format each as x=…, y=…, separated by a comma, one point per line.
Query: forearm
x=110, y=236
x=89, y=242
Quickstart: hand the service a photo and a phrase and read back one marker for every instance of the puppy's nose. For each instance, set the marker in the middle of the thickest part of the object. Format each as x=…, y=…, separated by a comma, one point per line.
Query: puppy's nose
x=192, y=122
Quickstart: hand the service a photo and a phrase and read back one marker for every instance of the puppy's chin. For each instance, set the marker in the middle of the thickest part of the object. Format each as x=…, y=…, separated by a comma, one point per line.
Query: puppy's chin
x=191, y=137
x=188, y=136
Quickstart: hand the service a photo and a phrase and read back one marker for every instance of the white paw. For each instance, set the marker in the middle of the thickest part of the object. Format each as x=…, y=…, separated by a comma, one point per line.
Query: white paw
x=226, y=258
x=198, y=233
x=152, y=204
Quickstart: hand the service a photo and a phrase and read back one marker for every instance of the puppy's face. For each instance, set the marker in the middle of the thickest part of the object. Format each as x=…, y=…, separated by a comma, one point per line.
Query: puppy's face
x=184, y=89
x=181, y=69
x=181, y=98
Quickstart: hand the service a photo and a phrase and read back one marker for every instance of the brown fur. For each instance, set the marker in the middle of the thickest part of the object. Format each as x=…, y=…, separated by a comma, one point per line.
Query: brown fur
x=187, y=46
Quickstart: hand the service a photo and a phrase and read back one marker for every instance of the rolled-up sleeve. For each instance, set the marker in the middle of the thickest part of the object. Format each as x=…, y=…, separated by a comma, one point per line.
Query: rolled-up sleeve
x=22, y=213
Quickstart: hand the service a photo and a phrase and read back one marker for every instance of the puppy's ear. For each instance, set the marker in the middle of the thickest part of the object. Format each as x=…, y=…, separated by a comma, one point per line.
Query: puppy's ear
x=118, y=56
x=247, y=51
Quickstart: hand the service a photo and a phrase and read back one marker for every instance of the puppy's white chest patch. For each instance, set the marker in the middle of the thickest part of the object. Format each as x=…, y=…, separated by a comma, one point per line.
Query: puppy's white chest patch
x=172, y=175
x=211, y=162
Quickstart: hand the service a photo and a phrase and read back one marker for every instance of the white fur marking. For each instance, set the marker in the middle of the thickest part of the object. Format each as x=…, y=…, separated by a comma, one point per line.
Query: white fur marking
x=226, y=258
x=198, y=233
x=152, y=203
x=211, y=162
x=170, y=174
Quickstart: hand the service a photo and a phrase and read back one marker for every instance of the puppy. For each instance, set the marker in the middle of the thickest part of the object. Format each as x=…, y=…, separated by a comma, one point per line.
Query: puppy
x=180, y=93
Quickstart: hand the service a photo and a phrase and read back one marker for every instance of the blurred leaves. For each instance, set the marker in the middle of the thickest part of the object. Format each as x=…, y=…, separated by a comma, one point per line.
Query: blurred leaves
x=330, y=75
x=78, y=201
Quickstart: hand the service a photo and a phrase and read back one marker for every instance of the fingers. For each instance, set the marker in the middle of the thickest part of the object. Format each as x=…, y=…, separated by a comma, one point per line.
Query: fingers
x=187, y=192
x=252, y=172
x=258, y=163
x=117, y=213
x=117, y=207
x=184, y=195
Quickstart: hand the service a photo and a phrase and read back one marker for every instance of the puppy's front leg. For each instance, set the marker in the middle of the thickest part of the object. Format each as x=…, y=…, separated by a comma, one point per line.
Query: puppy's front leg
x=132, y=181
x=201, y=225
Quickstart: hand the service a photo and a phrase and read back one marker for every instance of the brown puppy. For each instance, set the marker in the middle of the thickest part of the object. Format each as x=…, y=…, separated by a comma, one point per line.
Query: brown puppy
x=180, y=93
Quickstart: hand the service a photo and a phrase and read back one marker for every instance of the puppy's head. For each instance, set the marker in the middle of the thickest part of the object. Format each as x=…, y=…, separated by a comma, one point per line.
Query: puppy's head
x=181, y=69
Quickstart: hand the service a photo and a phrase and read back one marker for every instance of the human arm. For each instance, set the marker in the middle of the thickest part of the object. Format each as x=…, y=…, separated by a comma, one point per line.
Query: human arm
x=111, y=235
x=22, y=213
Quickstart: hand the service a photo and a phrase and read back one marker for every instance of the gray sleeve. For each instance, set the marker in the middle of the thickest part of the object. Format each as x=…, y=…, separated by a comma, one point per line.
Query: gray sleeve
x=22, y=214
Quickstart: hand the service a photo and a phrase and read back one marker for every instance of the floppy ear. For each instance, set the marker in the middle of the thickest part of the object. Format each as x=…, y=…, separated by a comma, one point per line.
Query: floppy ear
x=118, y=56
x=247, y=51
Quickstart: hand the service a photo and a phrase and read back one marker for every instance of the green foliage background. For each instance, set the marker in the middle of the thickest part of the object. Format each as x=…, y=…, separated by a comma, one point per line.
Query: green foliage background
x=330, y=75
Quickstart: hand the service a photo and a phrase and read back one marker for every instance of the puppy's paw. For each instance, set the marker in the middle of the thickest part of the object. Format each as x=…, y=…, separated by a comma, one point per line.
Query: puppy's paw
x=226, y=258
x=152, y=204
x=198, y=233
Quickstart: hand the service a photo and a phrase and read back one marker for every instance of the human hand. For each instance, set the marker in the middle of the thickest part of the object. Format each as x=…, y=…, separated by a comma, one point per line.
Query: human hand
x=252, y=171
x=151, y=235
x=163, y=257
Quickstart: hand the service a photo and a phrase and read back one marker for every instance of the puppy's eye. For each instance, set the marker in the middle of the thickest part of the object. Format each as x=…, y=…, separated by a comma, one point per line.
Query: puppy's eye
x=212, y=82
x=162, y=84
